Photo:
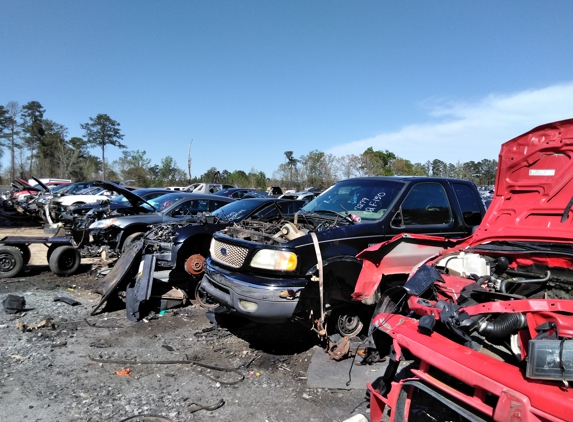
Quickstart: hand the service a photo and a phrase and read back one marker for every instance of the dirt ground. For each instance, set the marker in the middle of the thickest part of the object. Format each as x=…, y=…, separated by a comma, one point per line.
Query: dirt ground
x=58, y=363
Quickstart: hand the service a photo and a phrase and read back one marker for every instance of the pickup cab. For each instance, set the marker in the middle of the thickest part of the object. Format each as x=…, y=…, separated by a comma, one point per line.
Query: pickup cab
x=307, y=268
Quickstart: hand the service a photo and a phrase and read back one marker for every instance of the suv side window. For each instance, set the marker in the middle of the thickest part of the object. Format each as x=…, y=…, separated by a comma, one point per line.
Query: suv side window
x=426, y=204
x=469, y=204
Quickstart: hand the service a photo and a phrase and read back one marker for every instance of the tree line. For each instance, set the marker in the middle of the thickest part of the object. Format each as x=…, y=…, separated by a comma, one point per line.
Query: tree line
x=41, y=147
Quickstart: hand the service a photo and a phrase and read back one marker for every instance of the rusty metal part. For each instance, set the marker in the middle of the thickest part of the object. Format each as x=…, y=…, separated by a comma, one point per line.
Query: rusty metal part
x=340, y=349
x=319, y=328
x=203, y=299
x=195, y=264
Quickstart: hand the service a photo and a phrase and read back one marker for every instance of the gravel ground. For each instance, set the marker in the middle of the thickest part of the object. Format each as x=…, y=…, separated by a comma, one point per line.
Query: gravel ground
x=58, y=363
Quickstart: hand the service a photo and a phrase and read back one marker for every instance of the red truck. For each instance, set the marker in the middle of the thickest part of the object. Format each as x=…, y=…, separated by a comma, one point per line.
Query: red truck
x=483, y=331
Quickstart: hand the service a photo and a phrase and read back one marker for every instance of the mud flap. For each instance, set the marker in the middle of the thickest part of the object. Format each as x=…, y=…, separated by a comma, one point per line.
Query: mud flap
x=139, y=292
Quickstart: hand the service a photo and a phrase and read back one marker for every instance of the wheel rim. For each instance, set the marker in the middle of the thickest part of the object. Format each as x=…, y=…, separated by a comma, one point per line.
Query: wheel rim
x=348, y=325
x=203, y=298
x=7, y=262
x=68, y=260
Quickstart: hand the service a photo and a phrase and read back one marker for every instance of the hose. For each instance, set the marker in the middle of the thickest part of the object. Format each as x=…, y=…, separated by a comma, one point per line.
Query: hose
x=504, y=325
x=524, y=280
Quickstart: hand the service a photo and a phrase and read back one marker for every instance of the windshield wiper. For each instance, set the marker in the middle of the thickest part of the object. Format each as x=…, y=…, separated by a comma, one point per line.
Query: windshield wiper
x=348, y=215
x=343, y=216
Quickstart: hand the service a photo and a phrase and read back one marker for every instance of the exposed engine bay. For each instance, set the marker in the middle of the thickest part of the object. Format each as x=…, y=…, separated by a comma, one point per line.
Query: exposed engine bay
x=284, y=230
x=493, y=329
x=508, y=305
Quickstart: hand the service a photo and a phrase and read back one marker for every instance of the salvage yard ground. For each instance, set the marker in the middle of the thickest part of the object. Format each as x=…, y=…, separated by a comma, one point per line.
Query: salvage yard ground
x=58, y=363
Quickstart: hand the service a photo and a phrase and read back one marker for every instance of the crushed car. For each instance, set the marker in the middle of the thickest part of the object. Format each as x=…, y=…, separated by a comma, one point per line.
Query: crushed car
x=483, y=330
x=307, y=268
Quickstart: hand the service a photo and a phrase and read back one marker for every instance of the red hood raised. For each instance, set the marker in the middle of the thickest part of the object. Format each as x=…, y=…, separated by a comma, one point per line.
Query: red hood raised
x=534, y=188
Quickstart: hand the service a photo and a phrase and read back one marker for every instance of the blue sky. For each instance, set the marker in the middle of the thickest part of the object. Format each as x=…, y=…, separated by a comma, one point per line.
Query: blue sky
x=245, y=81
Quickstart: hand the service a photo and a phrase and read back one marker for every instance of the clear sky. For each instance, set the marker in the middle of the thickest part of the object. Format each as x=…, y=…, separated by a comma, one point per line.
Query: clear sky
x=246, y=81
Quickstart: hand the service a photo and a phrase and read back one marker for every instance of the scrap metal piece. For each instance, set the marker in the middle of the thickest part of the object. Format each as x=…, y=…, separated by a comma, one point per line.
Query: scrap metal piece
x=195, y=264
x=67, y=300
x=339, y=350
x=14, y=303
x=140, y=292
x=120, y=274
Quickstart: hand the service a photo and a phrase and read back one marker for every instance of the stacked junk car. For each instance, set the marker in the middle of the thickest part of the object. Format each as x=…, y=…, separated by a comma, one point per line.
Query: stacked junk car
x=483, y=330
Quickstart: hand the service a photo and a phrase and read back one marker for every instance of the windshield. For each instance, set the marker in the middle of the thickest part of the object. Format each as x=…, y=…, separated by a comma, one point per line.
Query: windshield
x=57, y=188
x=236, y=211
x=163, y=201
x=367, y=198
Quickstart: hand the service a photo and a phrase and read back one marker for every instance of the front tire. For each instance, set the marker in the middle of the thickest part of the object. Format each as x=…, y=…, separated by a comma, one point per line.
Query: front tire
x=65, y=260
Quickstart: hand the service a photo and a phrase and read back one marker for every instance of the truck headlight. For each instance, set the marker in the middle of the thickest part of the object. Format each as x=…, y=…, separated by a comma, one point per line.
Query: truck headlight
x=270, y=259
x=103, y=224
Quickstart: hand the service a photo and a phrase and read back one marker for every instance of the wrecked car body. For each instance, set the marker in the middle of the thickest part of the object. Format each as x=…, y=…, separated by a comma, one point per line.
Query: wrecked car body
x=486, y=326
x=307, y=268
x=116, y=233
x=182, y=248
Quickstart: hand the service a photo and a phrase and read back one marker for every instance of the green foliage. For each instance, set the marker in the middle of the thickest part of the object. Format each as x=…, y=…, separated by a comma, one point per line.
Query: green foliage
x=133, y=165
x=238, y=178
x=51, y=150
x=377, y=163
x=52, y=154
x=4, y=125
x=32, y=127
x=102, y=131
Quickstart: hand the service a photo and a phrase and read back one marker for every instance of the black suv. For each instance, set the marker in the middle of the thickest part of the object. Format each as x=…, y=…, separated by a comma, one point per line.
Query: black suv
x=270, y=274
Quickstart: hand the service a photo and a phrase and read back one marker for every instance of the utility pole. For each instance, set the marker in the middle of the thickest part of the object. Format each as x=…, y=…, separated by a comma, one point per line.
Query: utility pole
x=189, y=161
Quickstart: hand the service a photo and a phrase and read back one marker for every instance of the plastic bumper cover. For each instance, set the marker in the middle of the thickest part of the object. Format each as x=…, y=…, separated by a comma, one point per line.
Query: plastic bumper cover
x=261, y=303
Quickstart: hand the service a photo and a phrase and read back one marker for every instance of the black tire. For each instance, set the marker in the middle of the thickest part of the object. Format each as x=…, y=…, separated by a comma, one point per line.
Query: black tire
x=26, y=254
x=134, y=237
x=391, y=301
x=65, y=260
x=203, y=299
x=51, y=250
x=11, y=261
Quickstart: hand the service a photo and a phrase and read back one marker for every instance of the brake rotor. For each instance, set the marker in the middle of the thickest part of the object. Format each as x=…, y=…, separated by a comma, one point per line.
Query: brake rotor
x=195, y=264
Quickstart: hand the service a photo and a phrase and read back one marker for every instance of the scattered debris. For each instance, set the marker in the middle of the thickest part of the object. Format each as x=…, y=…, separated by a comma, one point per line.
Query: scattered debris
x=67, y=300
x=14, y=303
x=58, y=343
x=126, y=372
x=178, y=362
x=47, y=323
x=100, y=343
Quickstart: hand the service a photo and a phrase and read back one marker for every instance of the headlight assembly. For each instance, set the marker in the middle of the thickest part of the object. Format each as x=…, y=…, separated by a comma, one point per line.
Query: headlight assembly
x=270, y=259
x=103, y=224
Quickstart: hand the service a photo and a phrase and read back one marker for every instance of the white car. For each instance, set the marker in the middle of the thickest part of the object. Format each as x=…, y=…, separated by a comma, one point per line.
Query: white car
x=95, y=195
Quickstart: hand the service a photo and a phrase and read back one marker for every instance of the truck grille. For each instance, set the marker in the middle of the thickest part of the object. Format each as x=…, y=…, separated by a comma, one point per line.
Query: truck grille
x=231, y=255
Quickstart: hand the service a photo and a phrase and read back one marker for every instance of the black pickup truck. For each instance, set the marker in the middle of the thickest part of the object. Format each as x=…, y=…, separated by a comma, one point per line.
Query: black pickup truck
x=270, y=273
